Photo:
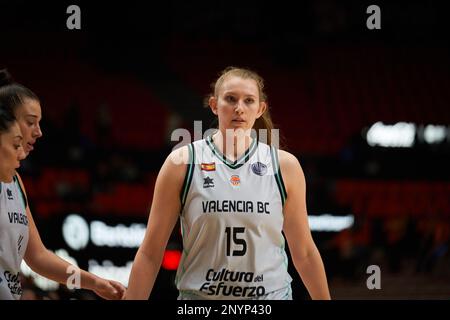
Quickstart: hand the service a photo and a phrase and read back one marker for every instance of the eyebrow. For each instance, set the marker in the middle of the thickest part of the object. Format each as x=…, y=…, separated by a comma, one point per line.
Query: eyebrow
x=232, y=92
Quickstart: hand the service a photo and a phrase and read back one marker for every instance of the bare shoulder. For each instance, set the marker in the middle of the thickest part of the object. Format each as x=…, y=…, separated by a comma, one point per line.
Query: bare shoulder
x=21, y=182
x=288, y=162
x=175, y=166
x=291, y=169
x=179, y=157
x=170, y=180
x=285, y=156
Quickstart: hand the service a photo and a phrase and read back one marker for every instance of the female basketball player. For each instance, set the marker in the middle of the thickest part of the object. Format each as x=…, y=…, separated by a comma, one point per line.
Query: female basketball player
x=19, y=237
x=235, y=196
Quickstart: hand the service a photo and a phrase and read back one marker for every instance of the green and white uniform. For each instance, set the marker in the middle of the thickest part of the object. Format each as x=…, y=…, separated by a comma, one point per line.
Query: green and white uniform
x=13, y=238
x=232, y=220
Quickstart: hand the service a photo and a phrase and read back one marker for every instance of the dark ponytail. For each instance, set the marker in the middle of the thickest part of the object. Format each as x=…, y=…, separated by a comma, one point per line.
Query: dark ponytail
x=5, y=78
x=6, y=118
x=13, y=94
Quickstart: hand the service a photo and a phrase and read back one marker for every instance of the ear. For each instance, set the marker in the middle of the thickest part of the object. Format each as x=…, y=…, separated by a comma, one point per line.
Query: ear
x=213, y=104
x=262, y=109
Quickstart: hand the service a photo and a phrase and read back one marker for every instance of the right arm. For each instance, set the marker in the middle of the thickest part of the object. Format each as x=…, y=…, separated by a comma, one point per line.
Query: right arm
x=304, y=253
x=163, y=216
x=48, y=264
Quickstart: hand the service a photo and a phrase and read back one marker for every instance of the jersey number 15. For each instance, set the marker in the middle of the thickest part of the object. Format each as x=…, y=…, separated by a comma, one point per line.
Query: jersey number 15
x=232, y=234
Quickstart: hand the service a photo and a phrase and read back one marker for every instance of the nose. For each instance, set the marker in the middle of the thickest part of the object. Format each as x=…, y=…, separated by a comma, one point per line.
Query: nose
x=37, y=132
x=21, y=155
x=239, y=108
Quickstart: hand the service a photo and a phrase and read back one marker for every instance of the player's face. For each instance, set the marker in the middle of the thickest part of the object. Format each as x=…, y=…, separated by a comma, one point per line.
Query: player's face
x=11, y=152
x=237, y=104
x=29, y=116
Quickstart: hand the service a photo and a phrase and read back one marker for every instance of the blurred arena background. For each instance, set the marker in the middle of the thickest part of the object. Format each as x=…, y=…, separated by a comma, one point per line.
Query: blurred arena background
x=366, y=111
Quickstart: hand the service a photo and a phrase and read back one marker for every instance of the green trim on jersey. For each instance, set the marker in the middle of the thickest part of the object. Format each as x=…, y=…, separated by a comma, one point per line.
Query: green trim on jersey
x=283, y=253
x=288, y=295
x=277, y=173
x=237, y=163
x=188, y=177
x=185, y=253
x=183, y=233
x=181, y=265
x=24, y=198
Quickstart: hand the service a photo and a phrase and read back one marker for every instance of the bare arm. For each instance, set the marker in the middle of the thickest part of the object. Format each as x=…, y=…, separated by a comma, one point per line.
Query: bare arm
x=305, y=255
x=49, y=265
x=162, y=219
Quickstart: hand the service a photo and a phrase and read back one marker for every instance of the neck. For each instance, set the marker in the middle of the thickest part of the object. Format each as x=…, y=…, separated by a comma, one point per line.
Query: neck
x=6, y=178
x=232, y=144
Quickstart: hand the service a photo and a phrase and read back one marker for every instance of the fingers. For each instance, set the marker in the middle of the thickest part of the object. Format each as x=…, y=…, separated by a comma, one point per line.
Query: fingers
x=118, y=286
x=119, y=289
x=111, y=290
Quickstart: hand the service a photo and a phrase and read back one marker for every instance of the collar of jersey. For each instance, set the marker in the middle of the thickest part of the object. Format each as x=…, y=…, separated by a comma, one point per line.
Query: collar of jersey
x=238, y=162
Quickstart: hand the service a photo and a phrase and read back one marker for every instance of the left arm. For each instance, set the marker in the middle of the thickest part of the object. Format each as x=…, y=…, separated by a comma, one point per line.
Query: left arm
x=304, y=253
x=49, y=265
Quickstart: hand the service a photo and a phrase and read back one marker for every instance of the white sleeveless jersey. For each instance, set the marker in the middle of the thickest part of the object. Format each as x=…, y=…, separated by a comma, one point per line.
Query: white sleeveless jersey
x=13, y=238
x=232, y=220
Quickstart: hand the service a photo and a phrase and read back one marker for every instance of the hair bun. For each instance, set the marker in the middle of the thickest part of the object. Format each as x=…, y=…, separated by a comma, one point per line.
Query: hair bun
x=5, y=77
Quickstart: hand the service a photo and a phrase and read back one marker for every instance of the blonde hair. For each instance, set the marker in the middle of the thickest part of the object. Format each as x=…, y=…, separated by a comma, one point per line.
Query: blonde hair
x=265, y=120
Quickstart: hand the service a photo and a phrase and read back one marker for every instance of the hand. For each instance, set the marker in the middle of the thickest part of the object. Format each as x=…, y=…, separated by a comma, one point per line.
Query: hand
x=109, y=289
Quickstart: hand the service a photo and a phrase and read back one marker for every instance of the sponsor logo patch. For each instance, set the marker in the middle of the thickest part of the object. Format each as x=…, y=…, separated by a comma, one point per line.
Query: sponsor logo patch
x=259, y=168
x=13, y=281
x=9, y=194
x=208, y=182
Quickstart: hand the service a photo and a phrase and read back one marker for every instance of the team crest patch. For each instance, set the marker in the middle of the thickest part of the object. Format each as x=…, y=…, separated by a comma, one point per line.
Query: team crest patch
x=235, y=180
x=209, y=166
x=259, y=168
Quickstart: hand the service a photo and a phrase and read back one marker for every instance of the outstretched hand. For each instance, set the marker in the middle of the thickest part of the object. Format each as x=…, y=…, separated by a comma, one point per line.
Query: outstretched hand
x=109, y=289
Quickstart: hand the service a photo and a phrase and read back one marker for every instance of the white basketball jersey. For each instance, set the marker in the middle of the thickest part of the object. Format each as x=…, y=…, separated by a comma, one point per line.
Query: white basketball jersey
x=232, y=220
x=13, y=238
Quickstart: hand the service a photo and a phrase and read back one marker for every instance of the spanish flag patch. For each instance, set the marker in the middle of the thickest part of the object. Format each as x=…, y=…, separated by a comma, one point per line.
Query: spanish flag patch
x=209, y=166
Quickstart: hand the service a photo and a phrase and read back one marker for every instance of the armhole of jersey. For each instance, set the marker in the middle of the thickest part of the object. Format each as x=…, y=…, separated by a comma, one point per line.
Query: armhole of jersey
x=24, y=198
x=277, y=174
x=188, y=177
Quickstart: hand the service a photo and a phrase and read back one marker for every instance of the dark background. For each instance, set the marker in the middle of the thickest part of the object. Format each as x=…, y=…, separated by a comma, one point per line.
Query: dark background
x=113, y=92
